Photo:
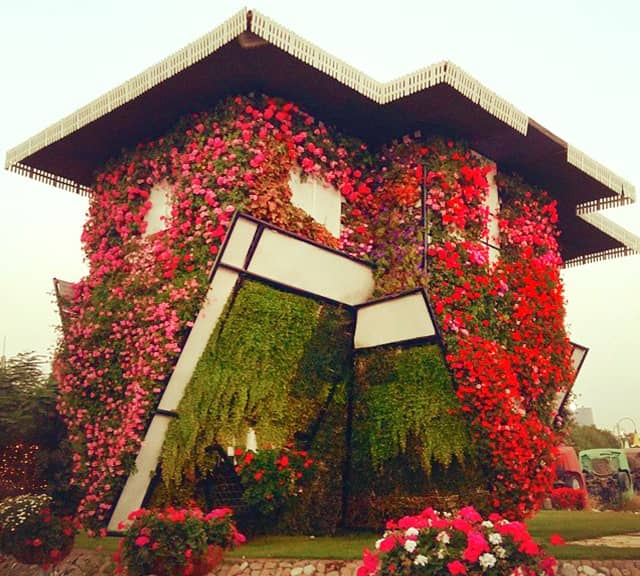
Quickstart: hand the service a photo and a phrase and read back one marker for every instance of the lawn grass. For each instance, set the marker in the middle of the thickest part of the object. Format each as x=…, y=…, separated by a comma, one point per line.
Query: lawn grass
x=342, y=547
x=108, y=544
x=582, y=525
x=570, y=525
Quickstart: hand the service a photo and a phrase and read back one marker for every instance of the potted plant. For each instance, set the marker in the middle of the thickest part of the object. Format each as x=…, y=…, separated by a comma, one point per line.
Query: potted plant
x=32, y=533
x=434, y=544
x=271, y=477
x=171, y=542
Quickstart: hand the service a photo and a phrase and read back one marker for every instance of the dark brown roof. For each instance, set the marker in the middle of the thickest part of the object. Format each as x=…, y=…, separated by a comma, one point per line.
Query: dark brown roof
x=249, y=52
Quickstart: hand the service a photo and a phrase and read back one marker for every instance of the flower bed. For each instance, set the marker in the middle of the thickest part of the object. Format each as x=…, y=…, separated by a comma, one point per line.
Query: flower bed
x=443, y=545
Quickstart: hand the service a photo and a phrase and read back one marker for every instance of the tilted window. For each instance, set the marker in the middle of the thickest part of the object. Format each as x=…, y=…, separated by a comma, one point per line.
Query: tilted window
x=321, y=201
x=158, y=216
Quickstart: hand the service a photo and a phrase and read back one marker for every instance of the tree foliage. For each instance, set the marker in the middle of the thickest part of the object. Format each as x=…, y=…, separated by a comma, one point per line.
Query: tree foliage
x=27, y=399
x=28, y=418
x=585, y=437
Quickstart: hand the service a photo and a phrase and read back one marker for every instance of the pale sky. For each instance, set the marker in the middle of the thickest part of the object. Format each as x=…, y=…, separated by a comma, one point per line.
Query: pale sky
x=570, y=65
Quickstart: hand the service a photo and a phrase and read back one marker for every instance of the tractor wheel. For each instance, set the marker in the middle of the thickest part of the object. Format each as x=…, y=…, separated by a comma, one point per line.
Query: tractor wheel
x=624, y=482
x=574, y=482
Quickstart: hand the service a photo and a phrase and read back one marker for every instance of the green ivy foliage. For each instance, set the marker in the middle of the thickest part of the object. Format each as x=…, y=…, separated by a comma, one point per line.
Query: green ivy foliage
x=276, y=362
x=322, y=383
x=405, y=405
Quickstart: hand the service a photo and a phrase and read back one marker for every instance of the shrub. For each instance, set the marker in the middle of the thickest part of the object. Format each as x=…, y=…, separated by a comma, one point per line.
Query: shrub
x=31, y=533
x=18, y=470
x=568, y=499
x=442, y=545
x=173, y=541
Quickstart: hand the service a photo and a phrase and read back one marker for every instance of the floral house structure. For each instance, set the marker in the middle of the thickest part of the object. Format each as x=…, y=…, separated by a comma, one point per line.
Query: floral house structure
x=285, y=252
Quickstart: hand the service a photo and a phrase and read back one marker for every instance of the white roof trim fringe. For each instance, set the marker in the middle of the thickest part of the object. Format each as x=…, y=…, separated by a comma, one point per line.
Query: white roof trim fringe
x=385, y=92
x=611, y=254
x=600, y=173
x=170, y=66
x=601, y=222
x=49, y=178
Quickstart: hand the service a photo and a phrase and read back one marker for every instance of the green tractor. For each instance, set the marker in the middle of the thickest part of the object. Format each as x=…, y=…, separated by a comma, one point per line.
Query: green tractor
x=633, y=455
x=607, y=474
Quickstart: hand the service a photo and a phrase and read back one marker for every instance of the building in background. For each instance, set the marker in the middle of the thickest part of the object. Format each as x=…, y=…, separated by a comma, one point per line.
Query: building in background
x=584, y=416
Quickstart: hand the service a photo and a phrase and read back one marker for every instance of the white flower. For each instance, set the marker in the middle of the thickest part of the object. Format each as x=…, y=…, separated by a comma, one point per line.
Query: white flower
x=495, y=538
x=487, y=560
x=443, y=537
x=421, y=560
x=410, y=545
x=487, y=524
x=378, y=542
x=441, y=553
x=411, y=532
x=500, y=552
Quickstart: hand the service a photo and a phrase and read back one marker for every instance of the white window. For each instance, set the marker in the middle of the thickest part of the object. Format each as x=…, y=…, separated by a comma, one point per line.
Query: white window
x=493, y=204
x=321, y=201
x=160, y=211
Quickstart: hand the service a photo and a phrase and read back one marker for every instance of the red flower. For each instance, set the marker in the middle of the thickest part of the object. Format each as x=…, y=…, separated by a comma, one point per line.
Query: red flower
x=556, y=540
x=283, y=461
x=529, y=547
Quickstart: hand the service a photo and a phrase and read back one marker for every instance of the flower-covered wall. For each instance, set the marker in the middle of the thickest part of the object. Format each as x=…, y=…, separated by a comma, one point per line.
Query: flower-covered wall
x=502, y=322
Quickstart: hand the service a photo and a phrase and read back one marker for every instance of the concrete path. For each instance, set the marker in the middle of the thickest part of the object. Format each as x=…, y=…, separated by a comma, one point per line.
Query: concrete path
x=93, y=563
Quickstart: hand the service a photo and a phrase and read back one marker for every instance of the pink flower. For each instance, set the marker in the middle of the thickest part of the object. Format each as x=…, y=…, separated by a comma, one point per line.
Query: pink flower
x=387, y=544
x=369, y=563
x=238, y=537
x=218, y=513
x=142, y=541
x=470, y=514
x=476, y=545
x=456, y=567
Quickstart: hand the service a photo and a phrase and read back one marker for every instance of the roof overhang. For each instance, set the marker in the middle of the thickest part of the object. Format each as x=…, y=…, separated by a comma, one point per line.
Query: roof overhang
x=64, y=297
x=250, y=52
